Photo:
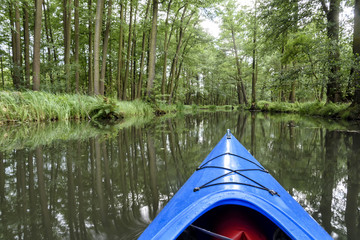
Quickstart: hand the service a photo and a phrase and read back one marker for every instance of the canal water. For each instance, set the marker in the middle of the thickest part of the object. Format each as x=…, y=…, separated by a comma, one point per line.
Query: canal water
x=92, y=181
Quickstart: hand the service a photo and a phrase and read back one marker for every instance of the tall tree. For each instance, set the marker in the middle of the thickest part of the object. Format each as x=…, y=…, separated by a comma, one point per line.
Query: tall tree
x=47, y=24
x=152, y=50
x=97, y=36
x=105, y=48
x=77, y=43
x=90, y=53
x=332, y=11
x=133, y=58
x=53, y=60
x=254, y=62
x=17, y=57
x=356, y=51
x=240, y=85
x=176, y=56
x=143, y=46
x=67, y=41
x=232, y=21
x=166, y=45
x=128, y=55
x=119, y=63
x=26, y=44
x=37, y=38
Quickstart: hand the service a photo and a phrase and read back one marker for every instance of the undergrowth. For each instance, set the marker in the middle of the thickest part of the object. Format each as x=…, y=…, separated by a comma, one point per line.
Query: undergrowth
x=41, y=106
x=323, y=109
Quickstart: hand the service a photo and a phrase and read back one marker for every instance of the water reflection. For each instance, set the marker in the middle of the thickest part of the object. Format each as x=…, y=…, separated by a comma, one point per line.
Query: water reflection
x=75, y=181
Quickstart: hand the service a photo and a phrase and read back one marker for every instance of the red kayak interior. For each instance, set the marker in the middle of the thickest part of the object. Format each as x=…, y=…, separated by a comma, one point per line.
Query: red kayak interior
x=233, y=222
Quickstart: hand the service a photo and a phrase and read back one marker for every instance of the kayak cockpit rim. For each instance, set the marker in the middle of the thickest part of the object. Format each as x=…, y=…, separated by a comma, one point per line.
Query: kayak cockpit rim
x=233, y=197
x=221, y=221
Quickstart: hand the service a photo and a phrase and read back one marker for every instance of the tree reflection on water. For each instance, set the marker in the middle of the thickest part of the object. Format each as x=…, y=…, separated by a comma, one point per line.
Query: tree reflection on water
x=77, y=181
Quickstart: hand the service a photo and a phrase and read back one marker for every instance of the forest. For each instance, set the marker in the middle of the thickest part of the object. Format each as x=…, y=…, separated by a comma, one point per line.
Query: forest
x=160, y=51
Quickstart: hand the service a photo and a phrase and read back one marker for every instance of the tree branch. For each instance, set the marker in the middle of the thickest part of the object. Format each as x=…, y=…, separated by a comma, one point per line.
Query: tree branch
x=324, y=7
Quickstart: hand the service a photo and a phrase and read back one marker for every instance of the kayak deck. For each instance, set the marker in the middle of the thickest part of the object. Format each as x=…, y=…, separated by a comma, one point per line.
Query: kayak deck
x=230, y=190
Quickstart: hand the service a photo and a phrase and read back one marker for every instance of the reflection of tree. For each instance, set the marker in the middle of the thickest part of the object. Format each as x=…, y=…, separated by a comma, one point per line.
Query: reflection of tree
x=42, y=192
x=32, y=197
x=175, y=153
x=152, y=175
x=72, y=222
x=3, y=203
x=82, y=164
x=98, y=183
x=240, y=126
x=253, y=136
x=328, y=177
x=352, y=216
x=21, y=188
x=110, y=186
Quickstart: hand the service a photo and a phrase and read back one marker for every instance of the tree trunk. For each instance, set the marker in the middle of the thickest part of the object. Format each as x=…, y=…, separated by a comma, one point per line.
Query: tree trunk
x=105, y=49
x=97, y=36
x=143, y=45
x=128, y=54
x=42, y=190
x=292, y=92
x=46, y=19
x=90, y=61
x=50, y=31
x=166, y=46
x=332, y=14
x=133, y=59
x=26, y=45
x=67, y=41
x=180, y=68
x=13, y=44
x=356, y=51
x=37, y=38
x=77, y=36
x=152, y=51
x=240, y=84
x=133, y=68
x=119, y=65
x=17, y=63
x=176, y=56
x=2, y=72
x=254, y=63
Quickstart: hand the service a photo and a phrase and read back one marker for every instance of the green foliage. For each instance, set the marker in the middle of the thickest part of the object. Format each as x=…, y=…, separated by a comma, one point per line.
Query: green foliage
x=291, y=47
x=212, y=107
x=316, y=108
x=41, y=106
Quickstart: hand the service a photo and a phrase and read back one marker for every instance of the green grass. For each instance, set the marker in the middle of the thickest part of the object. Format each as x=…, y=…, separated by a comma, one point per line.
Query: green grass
x=41, y=106
x=323, y=109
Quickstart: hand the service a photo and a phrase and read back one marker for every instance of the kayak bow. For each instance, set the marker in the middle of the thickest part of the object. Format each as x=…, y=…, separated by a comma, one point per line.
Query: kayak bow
x=231, y=196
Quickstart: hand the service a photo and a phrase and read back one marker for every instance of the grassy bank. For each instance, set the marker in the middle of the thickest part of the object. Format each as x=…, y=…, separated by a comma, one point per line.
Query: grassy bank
x=42, y=106
x=332, y=110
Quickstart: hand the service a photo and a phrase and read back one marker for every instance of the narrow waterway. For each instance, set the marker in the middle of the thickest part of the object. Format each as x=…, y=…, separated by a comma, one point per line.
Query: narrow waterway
x=81, y=181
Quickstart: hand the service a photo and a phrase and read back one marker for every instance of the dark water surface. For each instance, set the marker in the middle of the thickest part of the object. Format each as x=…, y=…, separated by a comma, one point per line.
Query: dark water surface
x=80, y=181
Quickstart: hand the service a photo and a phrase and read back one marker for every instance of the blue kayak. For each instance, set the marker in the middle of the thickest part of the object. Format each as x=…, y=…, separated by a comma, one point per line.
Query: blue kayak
x=231, y=196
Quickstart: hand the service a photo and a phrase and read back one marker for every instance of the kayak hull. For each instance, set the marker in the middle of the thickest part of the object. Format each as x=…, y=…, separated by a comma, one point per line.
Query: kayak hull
x=231, y=176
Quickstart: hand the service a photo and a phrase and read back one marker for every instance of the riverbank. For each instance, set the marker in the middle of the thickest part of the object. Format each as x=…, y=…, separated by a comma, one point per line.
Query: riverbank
x=29, y=106
x=41, y=106
x=322, y=109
